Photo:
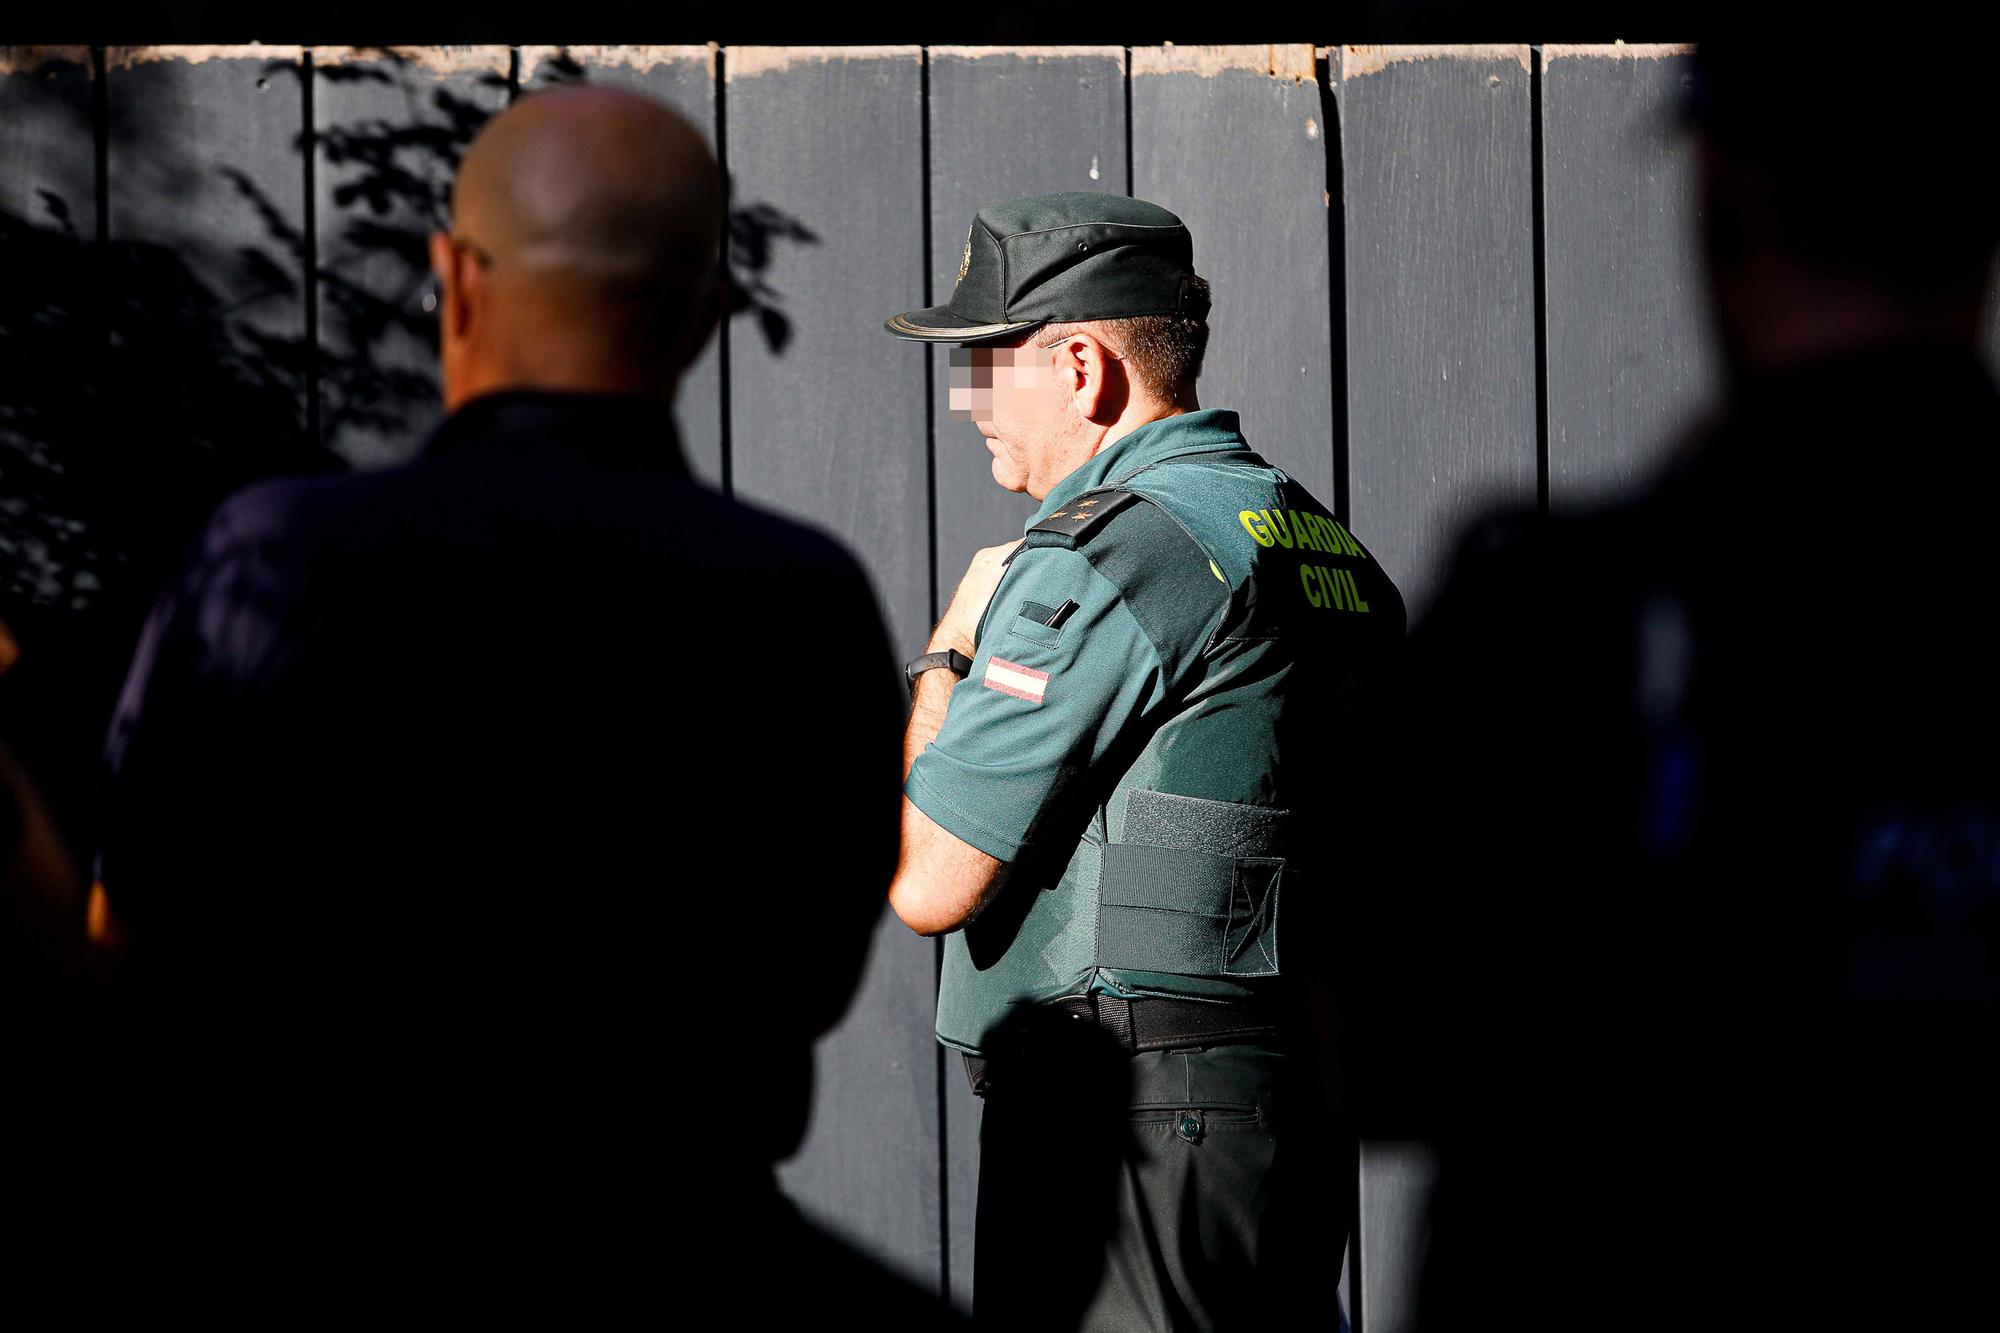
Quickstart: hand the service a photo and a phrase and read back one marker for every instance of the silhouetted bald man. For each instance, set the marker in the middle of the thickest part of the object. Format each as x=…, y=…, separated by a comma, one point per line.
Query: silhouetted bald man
x=582, y=255
x=443, y=818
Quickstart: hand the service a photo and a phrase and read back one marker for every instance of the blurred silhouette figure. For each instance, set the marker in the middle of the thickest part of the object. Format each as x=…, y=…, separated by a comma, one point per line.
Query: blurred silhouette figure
x=40, y=947
x=470, y=832
x=1696, y=996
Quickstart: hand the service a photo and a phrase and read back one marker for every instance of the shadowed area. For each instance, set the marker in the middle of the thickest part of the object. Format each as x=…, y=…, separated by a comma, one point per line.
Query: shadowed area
x=436, y=843
x=143, y=381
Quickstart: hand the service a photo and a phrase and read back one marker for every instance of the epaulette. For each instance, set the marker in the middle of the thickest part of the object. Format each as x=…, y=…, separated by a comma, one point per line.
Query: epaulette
x=1082, y=518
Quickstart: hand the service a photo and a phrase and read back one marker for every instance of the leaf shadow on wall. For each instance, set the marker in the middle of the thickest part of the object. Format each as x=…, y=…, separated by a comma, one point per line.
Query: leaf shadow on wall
x=756, y=234
x=142, y=382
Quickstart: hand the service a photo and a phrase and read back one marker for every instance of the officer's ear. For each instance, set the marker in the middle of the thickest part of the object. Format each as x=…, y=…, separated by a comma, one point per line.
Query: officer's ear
x=1089, y=371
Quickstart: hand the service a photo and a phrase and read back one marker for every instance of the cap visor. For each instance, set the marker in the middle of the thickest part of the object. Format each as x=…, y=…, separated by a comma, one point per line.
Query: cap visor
x=939, y=325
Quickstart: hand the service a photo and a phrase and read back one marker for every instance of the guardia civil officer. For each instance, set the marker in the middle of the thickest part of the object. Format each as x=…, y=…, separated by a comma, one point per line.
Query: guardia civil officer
x=1118, y=780
x=461, y=957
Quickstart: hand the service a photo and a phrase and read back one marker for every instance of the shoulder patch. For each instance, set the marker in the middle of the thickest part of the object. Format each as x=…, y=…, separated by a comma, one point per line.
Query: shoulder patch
x=1084, y=517
x=1165, y=578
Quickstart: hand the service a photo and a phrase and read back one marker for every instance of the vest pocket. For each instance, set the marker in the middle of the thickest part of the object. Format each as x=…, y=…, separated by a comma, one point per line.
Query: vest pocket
x=1032, y=622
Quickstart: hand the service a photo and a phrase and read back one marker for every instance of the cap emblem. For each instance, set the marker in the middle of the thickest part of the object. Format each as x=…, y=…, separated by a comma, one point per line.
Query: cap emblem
x=965, y=263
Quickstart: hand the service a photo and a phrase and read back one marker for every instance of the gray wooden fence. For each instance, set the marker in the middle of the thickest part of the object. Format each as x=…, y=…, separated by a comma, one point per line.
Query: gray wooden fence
x=1444, y=277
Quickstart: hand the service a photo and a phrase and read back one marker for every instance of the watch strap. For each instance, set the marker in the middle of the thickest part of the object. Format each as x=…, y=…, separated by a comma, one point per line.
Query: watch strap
x=950, y=659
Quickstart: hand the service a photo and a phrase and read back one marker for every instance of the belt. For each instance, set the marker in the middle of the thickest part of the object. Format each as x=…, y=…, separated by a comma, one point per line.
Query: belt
x=1154, y=1024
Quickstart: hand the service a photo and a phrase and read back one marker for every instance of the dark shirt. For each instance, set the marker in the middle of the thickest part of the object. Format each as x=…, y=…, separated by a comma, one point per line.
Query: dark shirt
x=1689, y=963
x=485, y=781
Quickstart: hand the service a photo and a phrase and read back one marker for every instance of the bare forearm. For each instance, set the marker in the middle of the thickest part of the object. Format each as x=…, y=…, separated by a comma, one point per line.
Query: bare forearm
x=926, y=714
x=942, y=881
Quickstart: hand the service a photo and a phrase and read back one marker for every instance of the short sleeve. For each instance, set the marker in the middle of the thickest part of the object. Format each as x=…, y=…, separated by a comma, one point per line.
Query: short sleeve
x=1043, y=703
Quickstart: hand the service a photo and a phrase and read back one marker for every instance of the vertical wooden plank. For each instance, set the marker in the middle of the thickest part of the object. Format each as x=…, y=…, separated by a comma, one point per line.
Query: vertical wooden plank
x=390, y=124
x=684, y=78
x=50, y=334
x=1629, y=355
x=1004, y=122
x=205, y=185
x=1437, y=154
x=48, y=173
x=1436, y=151
x=1993, y=321
x=830, y=423
x=1397, y=1181
x=1230, y=138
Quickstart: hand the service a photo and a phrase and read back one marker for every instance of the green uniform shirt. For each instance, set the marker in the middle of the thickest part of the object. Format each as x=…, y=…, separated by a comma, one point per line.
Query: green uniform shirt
x=1160, y=678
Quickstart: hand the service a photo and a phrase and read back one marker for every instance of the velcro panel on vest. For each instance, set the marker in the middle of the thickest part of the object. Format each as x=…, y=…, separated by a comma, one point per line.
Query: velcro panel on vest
x=1167, y=819
x=1162, y=909
x=1195, y=914
x=1191, y=889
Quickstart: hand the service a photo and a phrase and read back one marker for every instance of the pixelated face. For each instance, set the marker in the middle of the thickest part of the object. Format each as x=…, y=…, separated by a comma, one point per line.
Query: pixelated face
x=1011, y=392
x=989, y=378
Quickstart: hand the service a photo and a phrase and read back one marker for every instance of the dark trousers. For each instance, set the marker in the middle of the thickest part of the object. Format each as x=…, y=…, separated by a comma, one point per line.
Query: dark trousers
x=1168, y=1190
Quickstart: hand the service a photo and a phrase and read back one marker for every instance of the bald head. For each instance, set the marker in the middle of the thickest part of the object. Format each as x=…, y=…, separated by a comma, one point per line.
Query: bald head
x=585, y=228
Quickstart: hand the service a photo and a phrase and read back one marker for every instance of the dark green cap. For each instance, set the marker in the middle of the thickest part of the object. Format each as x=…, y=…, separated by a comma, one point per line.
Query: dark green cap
x=1062, y=257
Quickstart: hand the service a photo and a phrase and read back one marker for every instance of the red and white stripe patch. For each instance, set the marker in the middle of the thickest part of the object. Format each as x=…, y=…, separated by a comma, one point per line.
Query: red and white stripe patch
x=1015, y=679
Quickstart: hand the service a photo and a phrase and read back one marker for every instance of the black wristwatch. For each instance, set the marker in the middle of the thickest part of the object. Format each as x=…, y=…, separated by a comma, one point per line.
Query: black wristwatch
x=950, y=659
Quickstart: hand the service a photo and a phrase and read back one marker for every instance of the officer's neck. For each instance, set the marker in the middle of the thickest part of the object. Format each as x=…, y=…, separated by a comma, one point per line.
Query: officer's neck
x=1091, y=438
x=1143, y=412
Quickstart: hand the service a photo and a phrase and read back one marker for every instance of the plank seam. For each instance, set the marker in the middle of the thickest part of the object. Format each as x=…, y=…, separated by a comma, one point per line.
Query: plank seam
x=100, y=125
x=726, y=478
x=930, y=549
x=1131, y=186
x=99, y=293
x=1336, y=269
x=1540, y=279
x=310, y=146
